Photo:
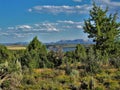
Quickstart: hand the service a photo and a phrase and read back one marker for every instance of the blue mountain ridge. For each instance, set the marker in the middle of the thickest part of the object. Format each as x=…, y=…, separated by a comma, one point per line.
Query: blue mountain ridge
x=76, y=41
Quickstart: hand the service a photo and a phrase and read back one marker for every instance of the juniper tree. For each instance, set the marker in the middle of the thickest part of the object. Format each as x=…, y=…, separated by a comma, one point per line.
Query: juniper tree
x=35, y=55
x=35, y=44
x=103, y=28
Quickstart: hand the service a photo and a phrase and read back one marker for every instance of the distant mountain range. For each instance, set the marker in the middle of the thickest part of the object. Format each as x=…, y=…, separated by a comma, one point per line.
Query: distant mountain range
x=17, y=43
x=76, y=41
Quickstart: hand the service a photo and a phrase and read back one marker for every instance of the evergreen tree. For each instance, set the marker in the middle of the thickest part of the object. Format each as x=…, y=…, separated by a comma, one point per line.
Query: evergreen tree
x=103, y=28
x=35, y=44
x=4, y=54
x=36, y=55
x=80, y=52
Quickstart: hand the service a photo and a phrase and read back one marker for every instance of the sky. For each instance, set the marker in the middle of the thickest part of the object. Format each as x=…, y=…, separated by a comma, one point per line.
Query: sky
x=50, y=20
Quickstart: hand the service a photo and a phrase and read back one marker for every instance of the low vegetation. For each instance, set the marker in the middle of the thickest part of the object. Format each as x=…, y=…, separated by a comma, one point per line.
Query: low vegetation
x=96, y=67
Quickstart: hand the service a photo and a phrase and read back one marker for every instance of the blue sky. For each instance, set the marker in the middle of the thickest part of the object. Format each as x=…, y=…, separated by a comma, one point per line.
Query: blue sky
x=50, y=20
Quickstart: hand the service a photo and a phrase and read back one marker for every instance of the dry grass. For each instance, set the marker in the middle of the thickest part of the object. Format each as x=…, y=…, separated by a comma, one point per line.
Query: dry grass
x=16, y=47
x=42, y=70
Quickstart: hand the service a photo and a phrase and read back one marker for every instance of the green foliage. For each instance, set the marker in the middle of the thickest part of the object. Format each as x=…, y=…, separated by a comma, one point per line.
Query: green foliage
x=5, y=84
x=80, y=52
x=117, y=46
x=68, y=69
x=70, y=54
x=35, y=56
x=56, y=57
x=63, y=79
x=103, y=28
x=117, y=76
x=10, y=74
x=112, y=85
x=35, y=44
x=92, y=62
x=4, y=54
x=100, y=87
x=115, y=61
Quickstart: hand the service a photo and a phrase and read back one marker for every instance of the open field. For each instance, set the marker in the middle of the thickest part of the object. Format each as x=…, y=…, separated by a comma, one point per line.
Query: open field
x=20, y=47
x=16, y=47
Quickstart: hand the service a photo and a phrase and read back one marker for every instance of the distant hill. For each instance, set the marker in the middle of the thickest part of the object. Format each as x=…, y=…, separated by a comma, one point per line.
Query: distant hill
x=76, y=41
x=17, y=43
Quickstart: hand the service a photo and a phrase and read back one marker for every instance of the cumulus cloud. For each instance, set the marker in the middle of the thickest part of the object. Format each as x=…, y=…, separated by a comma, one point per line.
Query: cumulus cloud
x=77, y=0
x=34, y=28
x=69, y=22
x=22, y=31
x=113, y=5
x=79, y=9
x=4, y=34
x=50, y=27
x=45, y=27
x=23, y=27
x=109, y=2
x=30, y=10
x=70, y=25
x=79, y=27
x=10, y=28
x=21, y=35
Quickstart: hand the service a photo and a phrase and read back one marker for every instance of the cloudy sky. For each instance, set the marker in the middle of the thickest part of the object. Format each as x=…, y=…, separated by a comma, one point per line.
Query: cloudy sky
x=50, y=20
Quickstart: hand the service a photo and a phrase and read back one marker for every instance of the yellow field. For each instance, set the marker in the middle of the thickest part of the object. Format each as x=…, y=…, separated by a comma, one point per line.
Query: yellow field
x=16, y=47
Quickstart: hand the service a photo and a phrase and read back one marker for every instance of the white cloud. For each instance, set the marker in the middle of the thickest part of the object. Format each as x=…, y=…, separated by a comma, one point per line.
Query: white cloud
x=34, y=28
x=79, y=27
x=66, y=21
x=45, y=27
x=10, y=28
x=70, y=25
x=19, y=35
x=109, y=2
x=37, y=25
x=114, y=6
x=23, y=27
x=30, y=10
x=77, y=0
x=21, y=31
x=49, y=27
x=79, y=9
x=69, y=22
x=4, y=34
